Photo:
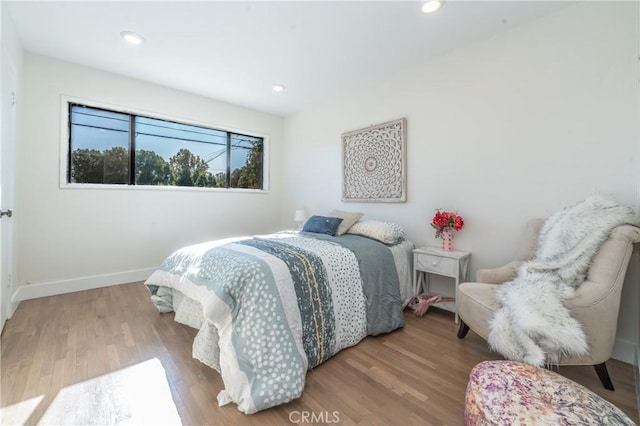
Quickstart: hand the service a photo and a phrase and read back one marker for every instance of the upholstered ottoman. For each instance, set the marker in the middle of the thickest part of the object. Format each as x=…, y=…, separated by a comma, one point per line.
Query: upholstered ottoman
x=514, y=393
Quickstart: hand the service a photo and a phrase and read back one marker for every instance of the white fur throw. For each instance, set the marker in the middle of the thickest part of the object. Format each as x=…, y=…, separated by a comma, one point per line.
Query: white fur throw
x=532, y=325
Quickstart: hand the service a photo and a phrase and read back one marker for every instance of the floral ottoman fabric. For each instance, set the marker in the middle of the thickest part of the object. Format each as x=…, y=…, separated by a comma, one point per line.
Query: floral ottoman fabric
x=514, y=393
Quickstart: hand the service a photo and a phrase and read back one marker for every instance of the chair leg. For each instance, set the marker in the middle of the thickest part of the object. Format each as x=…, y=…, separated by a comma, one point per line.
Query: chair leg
x=603, y=374
x=463, y=330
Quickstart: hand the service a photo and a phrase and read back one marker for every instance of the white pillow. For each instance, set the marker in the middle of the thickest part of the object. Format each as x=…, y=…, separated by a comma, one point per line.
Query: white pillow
x=385, y=232
x=348, y=219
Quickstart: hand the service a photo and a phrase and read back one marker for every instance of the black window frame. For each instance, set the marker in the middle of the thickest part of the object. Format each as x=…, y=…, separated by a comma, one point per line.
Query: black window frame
x=132, y=150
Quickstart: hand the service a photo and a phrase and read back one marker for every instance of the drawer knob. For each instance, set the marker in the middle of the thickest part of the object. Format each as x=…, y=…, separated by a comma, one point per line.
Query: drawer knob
x=434, y=263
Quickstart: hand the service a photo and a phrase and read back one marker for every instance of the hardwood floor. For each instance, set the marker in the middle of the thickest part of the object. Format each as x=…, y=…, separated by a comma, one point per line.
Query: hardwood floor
x=106, y=356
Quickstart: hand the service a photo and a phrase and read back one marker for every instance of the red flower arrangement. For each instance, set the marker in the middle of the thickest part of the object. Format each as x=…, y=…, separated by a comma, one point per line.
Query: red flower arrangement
x=446, y=221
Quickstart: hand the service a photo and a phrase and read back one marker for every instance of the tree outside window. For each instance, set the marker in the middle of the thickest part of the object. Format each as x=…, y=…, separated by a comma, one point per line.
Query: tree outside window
x=108, y=147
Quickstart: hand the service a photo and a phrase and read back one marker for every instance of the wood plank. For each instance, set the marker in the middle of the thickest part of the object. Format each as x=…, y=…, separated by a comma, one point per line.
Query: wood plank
x=81, y=358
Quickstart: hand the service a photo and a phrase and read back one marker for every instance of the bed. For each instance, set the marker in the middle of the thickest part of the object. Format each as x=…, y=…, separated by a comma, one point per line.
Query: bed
x=268, y=308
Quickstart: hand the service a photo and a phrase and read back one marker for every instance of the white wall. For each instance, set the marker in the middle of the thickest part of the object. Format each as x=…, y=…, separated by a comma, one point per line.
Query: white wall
x=512, y=127
x=104, y=236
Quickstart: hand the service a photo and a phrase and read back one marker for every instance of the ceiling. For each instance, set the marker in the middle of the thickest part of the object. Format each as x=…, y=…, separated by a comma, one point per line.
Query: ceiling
x=234, y=51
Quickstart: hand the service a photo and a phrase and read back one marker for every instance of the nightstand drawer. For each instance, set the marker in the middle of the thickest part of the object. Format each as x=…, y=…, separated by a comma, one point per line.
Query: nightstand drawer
x=436, y=264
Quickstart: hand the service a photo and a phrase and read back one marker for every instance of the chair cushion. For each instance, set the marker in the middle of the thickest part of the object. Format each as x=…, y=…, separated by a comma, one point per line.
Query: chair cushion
x=476, y=306
x=510, y=392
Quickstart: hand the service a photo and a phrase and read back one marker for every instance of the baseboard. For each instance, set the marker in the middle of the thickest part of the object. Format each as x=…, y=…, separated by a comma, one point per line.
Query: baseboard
x=53, y=288
x=624, y=351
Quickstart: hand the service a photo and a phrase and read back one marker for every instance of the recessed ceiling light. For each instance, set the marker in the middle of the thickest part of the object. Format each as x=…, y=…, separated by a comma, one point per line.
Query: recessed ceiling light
x=278, y=87
x=432, y=5
x=132, y=37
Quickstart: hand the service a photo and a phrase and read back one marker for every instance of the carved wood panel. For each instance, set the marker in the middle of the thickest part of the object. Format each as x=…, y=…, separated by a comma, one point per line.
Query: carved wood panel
x=374, y=163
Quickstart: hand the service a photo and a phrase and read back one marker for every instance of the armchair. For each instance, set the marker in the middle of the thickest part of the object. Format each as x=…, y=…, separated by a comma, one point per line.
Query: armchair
x=595, y=304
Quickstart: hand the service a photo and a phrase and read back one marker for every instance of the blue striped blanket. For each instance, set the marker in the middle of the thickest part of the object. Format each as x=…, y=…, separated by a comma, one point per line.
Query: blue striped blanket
x=275, y=306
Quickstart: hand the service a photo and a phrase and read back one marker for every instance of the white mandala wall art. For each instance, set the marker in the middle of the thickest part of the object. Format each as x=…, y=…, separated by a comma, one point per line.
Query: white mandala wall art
x=373, y=163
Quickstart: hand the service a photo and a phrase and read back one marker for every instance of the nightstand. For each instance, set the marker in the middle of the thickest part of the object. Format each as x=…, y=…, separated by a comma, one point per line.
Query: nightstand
x=433, y=260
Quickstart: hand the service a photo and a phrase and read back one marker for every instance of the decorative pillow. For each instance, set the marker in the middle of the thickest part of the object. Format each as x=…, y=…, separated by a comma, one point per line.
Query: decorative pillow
x=322, y=225
x=348, y=219
x=385, y=232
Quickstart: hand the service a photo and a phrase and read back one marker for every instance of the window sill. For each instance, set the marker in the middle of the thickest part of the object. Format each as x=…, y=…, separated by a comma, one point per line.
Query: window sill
x=123, y=187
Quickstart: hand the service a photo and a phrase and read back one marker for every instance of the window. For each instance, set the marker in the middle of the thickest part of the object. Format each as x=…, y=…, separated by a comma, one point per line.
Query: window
x=108, y=147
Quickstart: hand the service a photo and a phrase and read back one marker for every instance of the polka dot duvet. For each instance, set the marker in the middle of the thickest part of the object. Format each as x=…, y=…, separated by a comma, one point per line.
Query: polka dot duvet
x=272, y=307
